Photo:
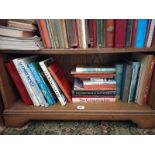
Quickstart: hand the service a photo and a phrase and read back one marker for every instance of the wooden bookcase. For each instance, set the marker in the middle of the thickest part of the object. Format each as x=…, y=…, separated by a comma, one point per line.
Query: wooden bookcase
x=15, y=113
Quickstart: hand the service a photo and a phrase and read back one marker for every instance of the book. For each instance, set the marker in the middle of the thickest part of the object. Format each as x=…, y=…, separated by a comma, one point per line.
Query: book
x=18, y=82
x=85, y=100
x=110, y=33
x=58, y=92
x=129, y=32
x=99, y=32
x=71, y=33
x=118, y=78
x=44, y=32
x=90, y=31
x=99, y=82
x=134, y=30
x=95, y=69
x=147, y=32
x=96, y=93
x=78, y=32
x=134, y=80
x=83, y=33
x=120, y=33
x=126, y=82
x=94, y=33
x=27, y=83
x=59, y=76
x=151, y=32
x=36, y=71
x=15, y=32
x=104, y=33
x=23, y=62
x=49, y=33
x=141, y=33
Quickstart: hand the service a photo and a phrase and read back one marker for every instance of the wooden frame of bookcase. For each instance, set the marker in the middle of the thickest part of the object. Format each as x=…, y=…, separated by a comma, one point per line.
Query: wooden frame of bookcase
x=15, y=113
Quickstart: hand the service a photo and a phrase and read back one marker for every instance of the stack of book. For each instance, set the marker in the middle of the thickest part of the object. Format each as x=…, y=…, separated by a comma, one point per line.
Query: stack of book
x=95, y=84
x=39, y=82
x=19, y=34
x=97, y=33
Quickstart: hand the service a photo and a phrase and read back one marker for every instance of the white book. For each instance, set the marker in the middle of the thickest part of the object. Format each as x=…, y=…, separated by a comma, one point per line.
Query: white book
x=61, y=97
x=84, y=38
x=24, y=62
x=151, y=31
x=26, y=83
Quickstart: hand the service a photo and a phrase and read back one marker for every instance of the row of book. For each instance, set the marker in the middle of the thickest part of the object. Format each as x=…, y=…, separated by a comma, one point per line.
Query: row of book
x=19, y=34
x=128, y=82
x=97, y=33
x=43, y=81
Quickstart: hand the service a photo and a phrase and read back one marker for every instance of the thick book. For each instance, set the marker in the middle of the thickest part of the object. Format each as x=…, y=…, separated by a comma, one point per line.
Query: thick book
x=78, y=32
x=147, y=32
x=58, y=92
x=99, y=32
x=85, y=100
x=23, y=62
x=110, y=33
x=151, y=32
x=93, y=93
x=90, y=31
x=141, y=33
x=36, y=71
x=83, y=33
x=134, y=80
x=94, y=33
x=44, y=31
x=118, y=78
x=27, y=83
x=104, y=33
x=126, y=82
x=129, y=32
x=120, y=33
x=134, y=30
x=15, y=32
x=59, y=76
x=18, y=82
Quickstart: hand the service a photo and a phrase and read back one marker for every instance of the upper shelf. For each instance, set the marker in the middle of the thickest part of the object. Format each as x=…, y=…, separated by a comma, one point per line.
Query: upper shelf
x=81, y=51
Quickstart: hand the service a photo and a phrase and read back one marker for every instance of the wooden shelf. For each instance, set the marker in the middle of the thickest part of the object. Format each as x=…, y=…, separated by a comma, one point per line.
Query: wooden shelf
x=81, y=51
x=20, y=113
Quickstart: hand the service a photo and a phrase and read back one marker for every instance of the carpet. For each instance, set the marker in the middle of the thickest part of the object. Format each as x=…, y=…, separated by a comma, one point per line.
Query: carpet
x=78, y=128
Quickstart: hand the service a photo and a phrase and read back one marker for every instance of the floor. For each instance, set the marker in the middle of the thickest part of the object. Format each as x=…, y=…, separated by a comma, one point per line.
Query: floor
x=77, y=128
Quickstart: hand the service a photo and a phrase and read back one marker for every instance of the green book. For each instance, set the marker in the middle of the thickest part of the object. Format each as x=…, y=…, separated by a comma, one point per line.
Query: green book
x=99, y=32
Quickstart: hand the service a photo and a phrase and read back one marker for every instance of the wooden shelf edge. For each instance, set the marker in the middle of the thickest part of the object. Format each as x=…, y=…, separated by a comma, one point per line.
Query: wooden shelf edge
x=80, y=51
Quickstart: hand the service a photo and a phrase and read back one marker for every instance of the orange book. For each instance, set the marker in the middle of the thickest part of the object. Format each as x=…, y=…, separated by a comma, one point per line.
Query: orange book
x=45, y=33
x=110, y=33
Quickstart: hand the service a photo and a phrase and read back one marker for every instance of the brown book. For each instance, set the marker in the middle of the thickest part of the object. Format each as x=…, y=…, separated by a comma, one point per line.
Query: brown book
x=79, y=36
x=71, y=32
x=104, y=33
x=134, y=31
x=95, y=33
x=61, y=34
x=153, y=40
x=110, y=33
x=147, y=32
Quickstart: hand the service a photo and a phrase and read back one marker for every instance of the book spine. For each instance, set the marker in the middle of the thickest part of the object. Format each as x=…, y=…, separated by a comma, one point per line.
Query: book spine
x=104, y=33
x=119, y=73
x=134, y=80
x=90, y=30
x=99, y=33
x=81, y=69
x=129, y=32
x=18, y=83
x=42, y=85
x=45, y=32
x=49, y=33
x=120, y=33
x=95, y=33
x=90, y=82
x=27, y=83
x=85, y=100
x=147, y=32
x=56, y=89
x=110, y=33
x=34, y=86
x=83, y=28
x=150, y=37
x=134, y=30
x=141, y=33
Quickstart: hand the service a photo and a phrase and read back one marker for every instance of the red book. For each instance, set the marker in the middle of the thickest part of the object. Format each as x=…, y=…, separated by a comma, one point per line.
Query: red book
x=42, y=23
x=59, y=76
x=18, y=82
x=94, y=33
x=134, y=31
x=120, y=33
x=110, y=33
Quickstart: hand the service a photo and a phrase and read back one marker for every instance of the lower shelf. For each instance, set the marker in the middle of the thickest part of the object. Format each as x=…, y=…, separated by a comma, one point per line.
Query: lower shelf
x=19, y=113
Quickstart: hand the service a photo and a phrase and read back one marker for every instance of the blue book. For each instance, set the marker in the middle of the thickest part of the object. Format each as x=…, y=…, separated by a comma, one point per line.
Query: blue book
x=141, y=33
x=49, y=32
x=134, y=80
x=118, y=78
x=35, y=69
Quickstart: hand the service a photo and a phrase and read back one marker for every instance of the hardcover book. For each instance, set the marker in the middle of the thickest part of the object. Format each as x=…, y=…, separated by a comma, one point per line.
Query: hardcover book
x=129, y=32
x=134, y=30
